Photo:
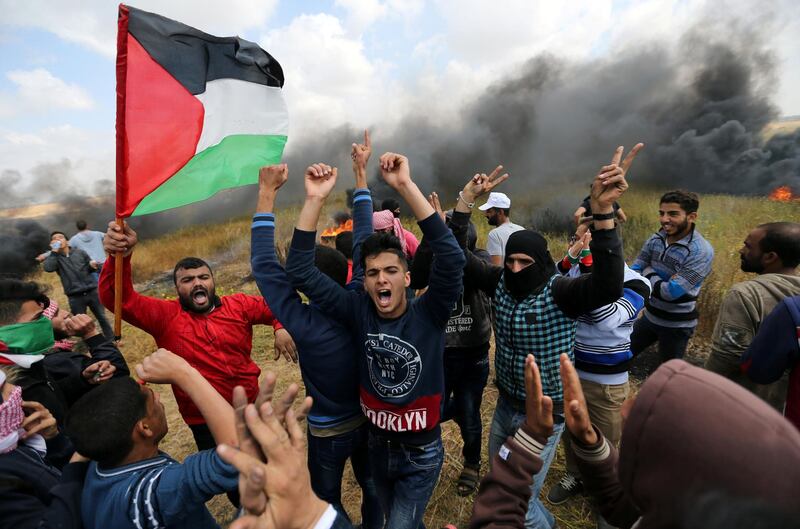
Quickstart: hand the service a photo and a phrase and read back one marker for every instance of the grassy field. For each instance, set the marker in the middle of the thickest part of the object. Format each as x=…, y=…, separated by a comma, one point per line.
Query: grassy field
x=724, y=221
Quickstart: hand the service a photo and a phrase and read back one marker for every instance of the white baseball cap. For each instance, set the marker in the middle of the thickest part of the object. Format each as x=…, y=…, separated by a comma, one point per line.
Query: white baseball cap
x=496, y=200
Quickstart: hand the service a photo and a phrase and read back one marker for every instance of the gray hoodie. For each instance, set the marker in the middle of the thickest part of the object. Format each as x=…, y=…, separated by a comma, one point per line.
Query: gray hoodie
x=90, y=242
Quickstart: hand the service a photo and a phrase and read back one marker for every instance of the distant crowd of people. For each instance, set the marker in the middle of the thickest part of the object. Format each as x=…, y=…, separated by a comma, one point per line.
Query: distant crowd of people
x=393, y=341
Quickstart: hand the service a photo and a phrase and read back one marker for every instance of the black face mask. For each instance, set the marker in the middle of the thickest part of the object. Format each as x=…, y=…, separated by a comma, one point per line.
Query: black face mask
x=532, y=278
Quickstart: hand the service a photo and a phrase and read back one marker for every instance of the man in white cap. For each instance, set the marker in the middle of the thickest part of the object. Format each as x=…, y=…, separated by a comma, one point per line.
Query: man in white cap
x=497, y=210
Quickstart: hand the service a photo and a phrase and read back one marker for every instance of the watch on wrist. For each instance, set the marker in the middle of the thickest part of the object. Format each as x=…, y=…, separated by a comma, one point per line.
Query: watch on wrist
x=603, y=216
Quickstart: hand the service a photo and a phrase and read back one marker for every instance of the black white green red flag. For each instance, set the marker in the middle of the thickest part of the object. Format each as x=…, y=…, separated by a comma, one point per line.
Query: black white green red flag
x=196, y=113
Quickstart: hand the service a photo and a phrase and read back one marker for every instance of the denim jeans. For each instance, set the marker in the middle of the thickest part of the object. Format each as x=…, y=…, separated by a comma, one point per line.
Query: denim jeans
x=326, y=460
x=405, y=476
x=506, y=421
x=465, y=376
x=79, y=303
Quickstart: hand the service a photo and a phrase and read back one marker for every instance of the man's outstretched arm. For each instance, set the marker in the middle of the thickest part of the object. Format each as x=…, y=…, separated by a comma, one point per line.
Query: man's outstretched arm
x=362, y=207
x=331, y=297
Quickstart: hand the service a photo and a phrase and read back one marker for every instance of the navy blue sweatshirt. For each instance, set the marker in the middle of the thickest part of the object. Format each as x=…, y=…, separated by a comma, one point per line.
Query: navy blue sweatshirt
x=324, y=344
x=401, y=372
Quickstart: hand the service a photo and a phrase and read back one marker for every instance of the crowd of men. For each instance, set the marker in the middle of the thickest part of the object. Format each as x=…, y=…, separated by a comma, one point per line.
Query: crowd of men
x=393, y=341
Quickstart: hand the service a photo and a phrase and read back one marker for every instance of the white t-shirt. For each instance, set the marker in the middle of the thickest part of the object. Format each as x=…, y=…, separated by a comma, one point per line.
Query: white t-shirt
x=496, y=243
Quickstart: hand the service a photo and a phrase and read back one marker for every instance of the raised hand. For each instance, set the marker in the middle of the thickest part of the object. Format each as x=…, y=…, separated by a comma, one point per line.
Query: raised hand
x=360, y=153
x=395, y=170
x=610, y=184
x=163, y=367
x=320, y=180
x=579, y=245
x=538, y=407
x=575, y=410
x=80, y=325
x=119, y=239
x=482, y=183
x=272, y=177
x=433, y=200
x=278, y=493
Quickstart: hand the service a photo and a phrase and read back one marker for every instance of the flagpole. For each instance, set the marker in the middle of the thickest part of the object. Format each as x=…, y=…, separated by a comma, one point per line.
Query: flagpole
x=118, y=287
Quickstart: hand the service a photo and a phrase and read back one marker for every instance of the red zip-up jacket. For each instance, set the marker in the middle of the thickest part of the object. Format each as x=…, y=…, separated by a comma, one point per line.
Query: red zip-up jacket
x=217, y=344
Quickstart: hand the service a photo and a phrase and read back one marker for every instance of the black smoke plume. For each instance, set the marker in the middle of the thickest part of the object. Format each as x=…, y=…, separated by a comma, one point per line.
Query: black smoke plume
x=700, y=107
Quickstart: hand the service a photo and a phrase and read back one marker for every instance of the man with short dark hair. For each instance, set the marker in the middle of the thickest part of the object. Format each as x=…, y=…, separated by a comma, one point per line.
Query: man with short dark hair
x=214, y=333
x=400, y=341
x=91, y=242
x=75, y=268
x=498, y=213
x=130, y=482
x=676, y=260
x=772, y=251
x=337, y=429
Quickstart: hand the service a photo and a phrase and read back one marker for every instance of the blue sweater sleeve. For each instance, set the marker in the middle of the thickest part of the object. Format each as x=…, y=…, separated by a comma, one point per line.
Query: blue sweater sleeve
x=271, y=278
x=179, y=489
x=362, y=228
x=327, y=294
x=776, y=346
x=447, y=270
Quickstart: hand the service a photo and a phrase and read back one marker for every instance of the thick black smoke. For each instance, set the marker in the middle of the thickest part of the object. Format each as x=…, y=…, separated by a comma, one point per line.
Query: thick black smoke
x=700, y=107
x=20, y=242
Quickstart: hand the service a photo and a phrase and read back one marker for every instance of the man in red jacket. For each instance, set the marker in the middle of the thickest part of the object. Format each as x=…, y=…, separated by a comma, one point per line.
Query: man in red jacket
x=215, y=335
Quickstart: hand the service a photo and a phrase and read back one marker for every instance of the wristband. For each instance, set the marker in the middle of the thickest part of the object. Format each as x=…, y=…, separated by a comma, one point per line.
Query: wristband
x=603, y=216
x=470, y=205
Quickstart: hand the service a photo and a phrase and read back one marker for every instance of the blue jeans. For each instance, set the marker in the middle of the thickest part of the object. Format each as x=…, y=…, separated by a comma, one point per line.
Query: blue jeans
x=506, y=421
x=326, y=459
x=405, y=476
x=465, y=374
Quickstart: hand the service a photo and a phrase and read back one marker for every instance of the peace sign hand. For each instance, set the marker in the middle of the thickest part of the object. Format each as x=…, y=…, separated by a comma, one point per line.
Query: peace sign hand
x=480, y=184
x=610, y=184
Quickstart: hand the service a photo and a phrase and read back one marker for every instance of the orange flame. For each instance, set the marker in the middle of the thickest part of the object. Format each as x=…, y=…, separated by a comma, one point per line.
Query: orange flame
x=783, y=194
x=333, y=232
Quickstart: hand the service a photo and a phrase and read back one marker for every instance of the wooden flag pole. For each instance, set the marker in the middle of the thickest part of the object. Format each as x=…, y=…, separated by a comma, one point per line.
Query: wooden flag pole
x=118, y=287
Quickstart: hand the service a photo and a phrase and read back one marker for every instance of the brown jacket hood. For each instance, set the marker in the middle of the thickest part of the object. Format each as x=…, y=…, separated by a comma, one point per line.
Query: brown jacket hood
x=691, y=431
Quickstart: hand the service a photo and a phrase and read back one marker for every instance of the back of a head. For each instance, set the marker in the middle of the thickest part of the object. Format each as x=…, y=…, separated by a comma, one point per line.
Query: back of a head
x=390, y=204
x=81, y=225
x=688, y=201
x=100, y=424
x=783, y=238
x=690, y=431
x=380, y=242
x=344, y=243
x=188, y=263
x=331, y=262
x=15, y=292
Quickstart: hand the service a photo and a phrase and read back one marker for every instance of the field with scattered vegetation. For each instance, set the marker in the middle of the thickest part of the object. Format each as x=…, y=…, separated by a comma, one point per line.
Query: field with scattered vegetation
x=724, y=221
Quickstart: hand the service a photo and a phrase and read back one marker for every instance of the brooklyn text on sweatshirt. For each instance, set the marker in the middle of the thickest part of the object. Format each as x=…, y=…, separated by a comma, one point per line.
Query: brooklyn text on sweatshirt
x=401, y=372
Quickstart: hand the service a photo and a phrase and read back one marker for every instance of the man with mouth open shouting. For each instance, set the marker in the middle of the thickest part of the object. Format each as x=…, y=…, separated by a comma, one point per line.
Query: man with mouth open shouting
x=400, y=341
x=214, y=334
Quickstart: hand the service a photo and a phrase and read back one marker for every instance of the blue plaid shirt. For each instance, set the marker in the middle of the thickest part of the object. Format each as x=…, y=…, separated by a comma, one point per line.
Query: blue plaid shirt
x=537, y=326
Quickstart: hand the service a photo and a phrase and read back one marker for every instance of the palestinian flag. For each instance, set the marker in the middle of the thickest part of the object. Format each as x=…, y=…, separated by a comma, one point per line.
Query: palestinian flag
x=196, y=114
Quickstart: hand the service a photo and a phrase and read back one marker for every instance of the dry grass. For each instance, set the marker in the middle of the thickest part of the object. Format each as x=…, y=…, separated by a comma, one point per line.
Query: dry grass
x=724, y=220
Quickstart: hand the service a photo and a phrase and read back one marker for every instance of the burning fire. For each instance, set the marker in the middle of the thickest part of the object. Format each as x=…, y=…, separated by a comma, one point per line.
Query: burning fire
x=333, y=232
x=783, y=194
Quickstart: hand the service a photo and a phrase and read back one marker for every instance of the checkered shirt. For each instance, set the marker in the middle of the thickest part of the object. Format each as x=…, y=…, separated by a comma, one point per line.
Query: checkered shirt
x=534, y=326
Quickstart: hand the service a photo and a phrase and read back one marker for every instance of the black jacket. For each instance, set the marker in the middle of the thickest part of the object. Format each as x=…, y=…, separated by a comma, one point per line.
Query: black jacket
x=35, y=494
x=74, y=271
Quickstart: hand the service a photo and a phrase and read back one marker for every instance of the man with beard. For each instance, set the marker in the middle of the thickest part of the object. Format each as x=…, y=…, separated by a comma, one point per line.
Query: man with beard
x=498, y=210
x=676, y=260
x=536, y=312
x=773, y=252
x=215, y=335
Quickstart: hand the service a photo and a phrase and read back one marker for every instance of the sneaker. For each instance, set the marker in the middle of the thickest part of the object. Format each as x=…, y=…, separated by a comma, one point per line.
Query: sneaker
x=568, y=487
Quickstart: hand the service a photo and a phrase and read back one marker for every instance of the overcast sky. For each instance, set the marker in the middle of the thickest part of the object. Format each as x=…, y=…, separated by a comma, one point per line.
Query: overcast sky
x=356, y=61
